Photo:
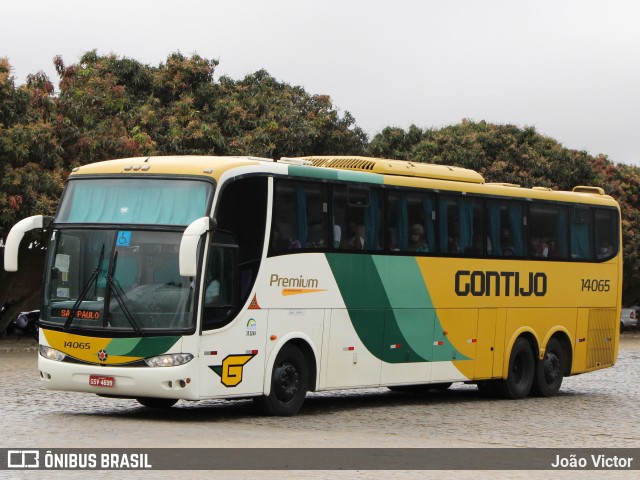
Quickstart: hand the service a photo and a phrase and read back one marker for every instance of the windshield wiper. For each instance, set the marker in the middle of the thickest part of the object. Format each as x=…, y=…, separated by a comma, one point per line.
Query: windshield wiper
x=87, y=286
x=120, y=298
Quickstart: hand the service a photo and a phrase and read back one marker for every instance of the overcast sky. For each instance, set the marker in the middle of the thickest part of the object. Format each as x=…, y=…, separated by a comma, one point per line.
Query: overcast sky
x=570, y=68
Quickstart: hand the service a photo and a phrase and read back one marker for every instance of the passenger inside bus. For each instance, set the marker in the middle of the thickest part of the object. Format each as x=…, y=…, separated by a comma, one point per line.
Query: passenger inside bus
x=506, y=244
x=354, y=239
x=552, y=249
x=416, y=239
x=605, y=250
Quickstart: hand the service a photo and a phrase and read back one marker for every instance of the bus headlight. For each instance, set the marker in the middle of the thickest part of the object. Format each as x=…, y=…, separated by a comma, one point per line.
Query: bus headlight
x=169, y=360
x=51, y=353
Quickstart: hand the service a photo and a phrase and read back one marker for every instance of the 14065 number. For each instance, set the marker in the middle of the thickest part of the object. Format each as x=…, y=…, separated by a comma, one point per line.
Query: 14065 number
x=595, y=285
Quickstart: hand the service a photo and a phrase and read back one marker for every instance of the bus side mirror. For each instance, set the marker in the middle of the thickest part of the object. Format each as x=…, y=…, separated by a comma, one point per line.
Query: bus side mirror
x=189, y=245
x=14, y=238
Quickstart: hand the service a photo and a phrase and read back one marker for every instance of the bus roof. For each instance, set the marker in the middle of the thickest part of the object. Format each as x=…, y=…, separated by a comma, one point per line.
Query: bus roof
x=200, y=165
x=350, y=168
x=397, y=167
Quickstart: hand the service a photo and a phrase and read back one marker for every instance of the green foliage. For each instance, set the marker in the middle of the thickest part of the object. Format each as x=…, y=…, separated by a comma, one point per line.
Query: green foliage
x=31, y=176
x=501, y=153
x=261, y=116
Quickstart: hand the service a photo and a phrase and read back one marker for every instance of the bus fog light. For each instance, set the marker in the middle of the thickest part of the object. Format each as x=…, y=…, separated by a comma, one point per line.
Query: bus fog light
x=170, y=360
x=51, y=354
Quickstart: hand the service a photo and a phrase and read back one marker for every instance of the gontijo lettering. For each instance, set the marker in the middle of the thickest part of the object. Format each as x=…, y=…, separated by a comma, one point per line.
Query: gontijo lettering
x=480, y=283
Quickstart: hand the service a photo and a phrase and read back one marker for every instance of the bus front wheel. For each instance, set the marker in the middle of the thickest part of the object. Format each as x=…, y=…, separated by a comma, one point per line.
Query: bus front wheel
x=550, y=370
x=289, y=384
x=521, y=371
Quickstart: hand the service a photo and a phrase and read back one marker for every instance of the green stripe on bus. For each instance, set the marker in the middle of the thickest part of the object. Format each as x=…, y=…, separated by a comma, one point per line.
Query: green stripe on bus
x=331, y=174
x=122, y=346
x=141, y=347
x=390, y=306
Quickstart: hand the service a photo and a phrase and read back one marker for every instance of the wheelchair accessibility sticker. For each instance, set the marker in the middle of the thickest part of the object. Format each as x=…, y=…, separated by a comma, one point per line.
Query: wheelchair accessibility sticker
x=124, y=239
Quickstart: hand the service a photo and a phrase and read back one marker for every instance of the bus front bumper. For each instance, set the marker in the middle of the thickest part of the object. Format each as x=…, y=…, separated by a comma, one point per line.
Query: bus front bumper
x=159, y=382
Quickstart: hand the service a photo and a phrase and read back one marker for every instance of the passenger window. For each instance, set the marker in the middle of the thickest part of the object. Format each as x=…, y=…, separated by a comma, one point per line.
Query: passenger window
x=548, y=231
x=506, y=235
x=357, y=218
x=412, y=219
x=299, y=217
x=461, y=226
x=606, y=233
x=581, y=247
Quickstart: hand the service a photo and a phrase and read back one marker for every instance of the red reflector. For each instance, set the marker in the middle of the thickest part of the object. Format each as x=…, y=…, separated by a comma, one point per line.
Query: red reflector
x=254, y=352
x=351, y=348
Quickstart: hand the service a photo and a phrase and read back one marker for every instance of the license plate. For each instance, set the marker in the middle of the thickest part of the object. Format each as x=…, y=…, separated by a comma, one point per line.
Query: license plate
x=101, y=381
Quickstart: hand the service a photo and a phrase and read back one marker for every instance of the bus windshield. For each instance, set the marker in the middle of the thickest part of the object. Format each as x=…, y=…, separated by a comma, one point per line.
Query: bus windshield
x=146, y=201
x=117, y=280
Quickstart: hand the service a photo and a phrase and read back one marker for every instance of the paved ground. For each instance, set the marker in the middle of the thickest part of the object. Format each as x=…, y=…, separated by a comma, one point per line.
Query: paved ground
x=599, y=409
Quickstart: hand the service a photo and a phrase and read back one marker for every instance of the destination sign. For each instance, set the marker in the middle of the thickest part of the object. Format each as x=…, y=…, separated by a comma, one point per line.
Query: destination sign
x=82, y=314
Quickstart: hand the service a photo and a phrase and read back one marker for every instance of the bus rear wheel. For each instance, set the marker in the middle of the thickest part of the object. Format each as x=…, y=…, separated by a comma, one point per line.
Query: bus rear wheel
x=289, y=384
x=550, y=370
x=521, y=372
x=151, y=402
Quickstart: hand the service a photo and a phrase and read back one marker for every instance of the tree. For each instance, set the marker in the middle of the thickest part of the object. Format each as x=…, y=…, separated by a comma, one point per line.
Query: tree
x=264, y=117
x=31, y=173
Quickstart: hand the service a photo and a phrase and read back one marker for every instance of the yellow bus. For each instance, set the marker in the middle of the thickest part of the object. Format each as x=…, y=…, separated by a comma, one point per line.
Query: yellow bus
x=203, y=277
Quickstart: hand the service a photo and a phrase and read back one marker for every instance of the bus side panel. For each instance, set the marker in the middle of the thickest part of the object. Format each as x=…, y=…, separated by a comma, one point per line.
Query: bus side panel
x=486, y=343
x=498, y=354
x=407, y=347
x=580, y=343
x=232, y=359
x=306, y=324
x=454, y=344
x=349, y=362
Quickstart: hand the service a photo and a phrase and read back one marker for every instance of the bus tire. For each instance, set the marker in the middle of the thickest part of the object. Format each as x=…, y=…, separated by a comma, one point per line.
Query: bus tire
x=151, y=402
x=289, y=384
x=521, y=371
x=550, y=370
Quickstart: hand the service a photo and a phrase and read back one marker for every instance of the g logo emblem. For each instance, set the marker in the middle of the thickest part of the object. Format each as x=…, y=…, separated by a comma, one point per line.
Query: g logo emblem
x=231, y=369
